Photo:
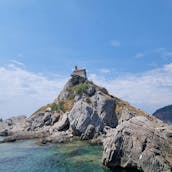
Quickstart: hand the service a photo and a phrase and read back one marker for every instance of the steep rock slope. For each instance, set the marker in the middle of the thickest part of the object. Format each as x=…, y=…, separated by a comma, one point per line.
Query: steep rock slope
x=84, y=109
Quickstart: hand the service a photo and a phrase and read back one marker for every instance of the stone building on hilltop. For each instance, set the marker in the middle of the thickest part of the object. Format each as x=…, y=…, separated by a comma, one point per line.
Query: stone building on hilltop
x=79, y=72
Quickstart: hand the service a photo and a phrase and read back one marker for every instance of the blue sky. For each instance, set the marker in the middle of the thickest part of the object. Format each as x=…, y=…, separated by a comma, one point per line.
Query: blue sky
x=114, y=40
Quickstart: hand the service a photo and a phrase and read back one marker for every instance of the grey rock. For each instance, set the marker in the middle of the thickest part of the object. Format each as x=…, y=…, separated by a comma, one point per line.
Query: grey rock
x=55, y=117
x=37, y=121
x=48, y=122
x=66, y=92
x=47, y=118
x=138, y=143
x=25, y=135
x=91, y=91
x=62, y=124
x=125, y=115
x=77, y=97
x=9, y=122
x=4, y=132
x=58, y=137
x=77, y=80
x=12, y=125
x=89, y=133
x=82, y=117
x=103, y=90
x=105, y=107
x=79, y=117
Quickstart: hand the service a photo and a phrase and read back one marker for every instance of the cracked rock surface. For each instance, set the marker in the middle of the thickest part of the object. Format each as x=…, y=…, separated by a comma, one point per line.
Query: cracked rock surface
x=141, y=144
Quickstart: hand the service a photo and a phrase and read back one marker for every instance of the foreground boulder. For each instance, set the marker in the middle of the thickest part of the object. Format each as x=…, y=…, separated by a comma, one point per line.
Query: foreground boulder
x=139, y=143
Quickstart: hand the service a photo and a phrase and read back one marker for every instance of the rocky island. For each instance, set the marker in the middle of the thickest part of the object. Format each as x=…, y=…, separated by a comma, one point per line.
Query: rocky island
x=130, y=137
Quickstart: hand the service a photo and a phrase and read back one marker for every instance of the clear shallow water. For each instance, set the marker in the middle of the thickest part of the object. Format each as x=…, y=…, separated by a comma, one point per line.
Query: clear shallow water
x=27, y=156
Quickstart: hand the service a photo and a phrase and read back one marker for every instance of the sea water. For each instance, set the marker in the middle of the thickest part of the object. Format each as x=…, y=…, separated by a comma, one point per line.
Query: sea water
x=28, y=156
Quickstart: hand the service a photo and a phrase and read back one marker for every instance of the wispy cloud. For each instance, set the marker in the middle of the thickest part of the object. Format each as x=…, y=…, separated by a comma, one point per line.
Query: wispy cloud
x=149, y=90
x=23, y=92
x=16, y=62
x=159, y=52
x=104, y=71
x=115, y=43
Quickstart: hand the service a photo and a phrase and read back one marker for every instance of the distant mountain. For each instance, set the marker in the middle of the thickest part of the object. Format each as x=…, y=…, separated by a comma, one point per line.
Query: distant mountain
x=164, y=114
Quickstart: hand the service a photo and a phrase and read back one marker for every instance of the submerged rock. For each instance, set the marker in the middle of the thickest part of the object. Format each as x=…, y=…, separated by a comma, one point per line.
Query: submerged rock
x=25, y=135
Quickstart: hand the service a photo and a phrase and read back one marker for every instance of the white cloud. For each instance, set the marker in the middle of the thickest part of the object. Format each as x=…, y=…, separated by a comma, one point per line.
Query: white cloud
x=168, y=67
x=149, y=90
x=115, y=43
x=104, y=71
x=23, y=92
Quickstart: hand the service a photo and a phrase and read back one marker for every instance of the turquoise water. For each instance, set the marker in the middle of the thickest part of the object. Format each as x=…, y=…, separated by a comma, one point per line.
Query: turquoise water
x=27, y=156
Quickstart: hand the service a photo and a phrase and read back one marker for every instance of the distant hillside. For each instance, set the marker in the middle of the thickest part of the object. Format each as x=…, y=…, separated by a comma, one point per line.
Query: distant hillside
x=165, y=114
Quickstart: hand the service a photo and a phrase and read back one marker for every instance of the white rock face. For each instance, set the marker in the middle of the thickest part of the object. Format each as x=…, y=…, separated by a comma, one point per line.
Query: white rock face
x=81, y=116
x=105, y=107
x=91, y=118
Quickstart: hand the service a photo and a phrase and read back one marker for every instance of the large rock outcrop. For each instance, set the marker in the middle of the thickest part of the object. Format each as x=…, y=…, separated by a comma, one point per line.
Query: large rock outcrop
x=139, y=143
x=84, y=121
x=88, y=107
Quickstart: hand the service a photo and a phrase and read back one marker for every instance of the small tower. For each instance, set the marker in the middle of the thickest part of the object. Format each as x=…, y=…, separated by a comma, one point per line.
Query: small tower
x=79, y=72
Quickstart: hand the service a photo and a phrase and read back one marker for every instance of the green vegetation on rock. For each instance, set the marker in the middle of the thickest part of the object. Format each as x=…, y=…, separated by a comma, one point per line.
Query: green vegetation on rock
x=57, y=107
x=81, y=88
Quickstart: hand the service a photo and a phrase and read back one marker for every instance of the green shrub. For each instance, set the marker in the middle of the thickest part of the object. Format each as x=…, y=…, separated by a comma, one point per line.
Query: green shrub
x=61, y=106
x=54, y=107
x=57, y=107
x=81, y=88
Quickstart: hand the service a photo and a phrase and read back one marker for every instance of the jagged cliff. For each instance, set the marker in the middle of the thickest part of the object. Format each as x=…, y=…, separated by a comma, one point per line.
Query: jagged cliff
x=83, y=108
x=131, y=137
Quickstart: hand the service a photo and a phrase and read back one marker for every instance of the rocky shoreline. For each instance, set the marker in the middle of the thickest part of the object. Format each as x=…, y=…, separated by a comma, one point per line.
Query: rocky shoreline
x=131, y=138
